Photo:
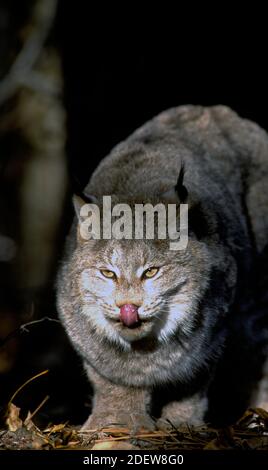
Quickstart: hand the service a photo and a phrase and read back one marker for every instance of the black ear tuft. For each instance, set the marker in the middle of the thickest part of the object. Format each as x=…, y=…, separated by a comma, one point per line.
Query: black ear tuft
x=81, y=198
x=80, y=191
x=89, y=198
x=180, y=188
x=86, y=197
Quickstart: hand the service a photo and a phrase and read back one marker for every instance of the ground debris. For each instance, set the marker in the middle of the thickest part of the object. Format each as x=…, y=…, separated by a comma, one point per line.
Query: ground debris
x=250, y=432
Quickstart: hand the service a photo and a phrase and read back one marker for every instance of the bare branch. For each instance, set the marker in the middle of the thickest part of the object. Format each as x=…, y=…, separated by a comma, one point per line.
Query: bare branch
x=24, y=329
x=19, y=73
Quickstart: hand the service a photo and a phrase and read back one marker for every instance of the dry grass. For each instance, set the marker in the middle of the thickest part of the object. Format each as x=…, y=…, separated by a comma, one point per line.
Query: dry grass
x=251, y=432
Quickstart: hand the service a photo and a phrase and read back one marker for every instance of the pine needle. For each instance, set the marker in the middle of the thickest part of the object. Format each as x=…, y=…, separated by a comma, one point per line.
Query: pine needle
x=26, y=383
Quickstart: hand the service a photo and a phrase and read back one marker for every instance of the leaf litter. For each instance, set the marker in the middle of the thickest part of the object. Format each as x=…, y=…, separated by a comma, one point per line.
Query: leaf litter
x=250, y=432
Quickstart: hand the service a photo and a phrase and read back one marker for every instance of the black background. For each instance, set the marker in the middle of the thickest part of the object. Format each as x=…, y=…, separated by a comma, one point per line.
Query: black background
x=124, y=66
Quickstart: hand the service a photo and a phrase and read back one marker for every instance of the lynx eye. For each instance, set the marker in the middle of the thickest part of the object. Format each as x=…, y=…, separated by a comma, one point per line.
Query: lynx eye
x=151, y=272
x=107, y=273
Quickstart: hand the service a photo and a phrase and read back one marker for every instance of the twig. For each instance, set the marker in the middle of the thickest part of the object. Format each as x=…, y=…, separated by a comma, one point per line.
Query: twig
x=43, y=17
x=26, y=383
x=24, y=329
x=39, y=407
x=126, y=431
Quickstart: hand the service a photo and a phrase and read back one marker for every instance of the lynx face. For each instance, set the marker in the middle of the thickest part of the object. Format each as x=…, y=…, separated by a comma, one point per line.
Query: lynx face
x=133, y=289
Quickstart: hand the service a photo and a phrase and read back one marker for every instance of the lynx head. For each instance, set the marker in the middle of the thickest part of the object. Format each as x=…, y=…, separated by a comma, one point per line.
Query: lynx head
x=133, y=289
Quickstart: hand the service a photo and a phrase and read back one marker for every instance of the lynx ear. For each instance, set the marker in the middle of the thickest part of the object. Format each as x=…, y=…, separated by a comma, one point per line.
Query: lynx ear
x=80, y=199
x=179, y=190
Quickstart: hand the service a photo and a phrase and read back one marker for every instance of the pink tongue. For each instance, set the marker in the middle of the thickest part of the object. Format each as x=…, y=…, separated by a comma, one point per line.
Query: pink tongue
x=129, y=314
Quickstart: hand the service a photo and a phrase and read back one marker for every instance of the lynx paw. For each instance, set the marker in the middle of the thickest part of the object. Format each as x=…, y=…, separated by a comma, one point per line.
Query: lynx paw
x=133, y=421
x=175, y=414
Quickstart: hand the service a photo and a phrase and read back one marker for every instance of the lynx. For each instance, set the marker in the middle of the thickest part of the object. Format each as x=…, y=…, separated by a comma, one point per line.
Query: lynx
x=175, y=336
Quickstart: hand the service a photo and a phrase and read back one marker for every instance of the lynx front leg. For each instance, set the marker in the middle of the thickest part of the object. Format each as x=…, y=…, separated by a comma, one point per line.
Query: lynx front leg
x=115, y=405
x=190, y=410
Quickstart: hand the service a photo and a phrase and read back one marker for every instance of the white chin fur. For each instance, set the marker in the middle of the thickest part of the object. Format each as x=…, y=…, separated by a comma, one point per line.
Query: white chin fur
x=177, y=313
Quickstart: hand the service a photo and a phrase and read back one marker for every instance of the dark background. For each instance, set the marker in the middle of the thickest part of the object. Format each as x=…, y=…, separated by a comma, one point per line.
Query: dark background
x=121, y=68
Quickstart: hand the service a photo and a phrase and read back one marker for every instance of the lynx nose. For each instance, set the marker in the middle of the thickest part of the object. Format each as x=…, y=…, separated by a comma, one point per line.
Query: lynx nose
x=129, y=314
